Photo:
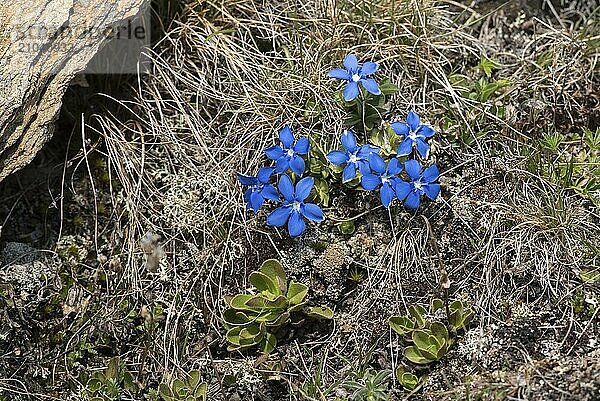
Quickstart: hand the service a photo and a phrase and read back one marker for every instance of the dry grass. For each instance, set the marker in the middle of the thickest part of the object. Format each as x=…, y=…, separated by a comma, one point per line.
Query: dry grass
x=230, y=74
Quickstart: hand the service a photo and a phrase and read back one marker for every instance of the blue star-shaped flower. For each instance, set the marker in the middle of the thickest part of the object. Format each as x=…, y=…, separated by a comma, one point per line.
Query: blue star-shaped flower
x=420, y=183
x=294, y=209
x=354, y=157
x=355, y=74
x=414, y=134
x=288, y=156
x=259, y=188
x=384, y=176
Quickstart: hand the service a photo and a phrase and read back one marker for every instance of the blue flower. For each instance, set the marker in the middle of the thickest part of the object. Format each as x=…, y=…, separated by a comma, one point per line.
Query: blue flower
x=288, y=156
x=384, y=176
x=420, y=183
x=354, y=157
x=355, y=74
x=259, y=188
x=294, y=209
x=414, y=134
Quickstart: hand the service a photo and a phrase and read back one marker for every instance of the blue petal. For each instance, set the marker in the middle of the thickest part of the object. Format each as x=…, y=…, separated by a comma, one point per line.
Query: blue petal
x=337, y=157
x=274, y=152
x=269, y=192
x=432, y=190
x=313, y=212
x=364, y=167
x=297, y=165
x=302, y=146
x=349, y=172
x=279, y=216
x=351, y=91
x=247, y=180
x=370, y=181
x=282, y=165
x=413, y=121
x=286, y=188
x=339, y=73
x=296, y=224
x=403, y=188
x=366, y=151
x=387, y=194
x=405, y=147
x=348, y=141
x=368, y=68
x=351, y=63
x=264, y=174
x=247, y=196
x=256, y=201
x=377, y=164
x=394, y=167
x=426, y=131
x=400, y=128
x=413, y=169
x=431, y=173
x=370, y=85
x=413, y=200
x=286, y=137
x=423, y=148
x=303, y=188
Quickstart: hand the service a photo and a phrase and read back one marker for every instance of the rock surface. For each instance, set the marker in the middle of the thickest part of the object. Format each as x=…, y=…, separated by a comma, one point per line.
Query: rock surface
x=43, y=44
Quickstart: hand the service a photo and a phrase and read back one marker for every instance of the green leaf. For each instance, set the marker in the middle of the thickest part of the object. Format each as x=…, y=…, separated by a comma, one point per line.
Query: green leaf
x=234, y=317
x=408, y=380
x=264, y=283
x=179, y=387
x=260, y=302
x=280, y=321
x=439, y=331
x=201, y=392
x=319, y=312
x=296, y=293
x=251, y=335
x=436, y=304
x=113, y=368
x=233, y=335
x=487, y=65
x=268, y=344
x=401, y=324
x=418, y=312
x=165, y=391
x=346, y=227
x=239, y=301
x=413, y=354
x=193, y=379
x=273, y=269
x=421, y=338
x=388, y=88
x=590, y=276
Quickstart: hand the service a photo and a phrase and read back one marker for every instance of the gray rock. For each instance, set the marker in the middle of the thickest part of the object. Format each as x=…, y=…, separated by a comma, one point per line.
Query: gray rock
x=39, y=57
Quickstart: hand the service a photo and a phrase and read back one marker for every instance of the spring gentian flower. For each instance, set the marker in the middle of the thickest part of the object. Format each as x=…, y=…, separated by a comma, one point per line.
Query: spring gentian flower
x=259, y=188
x=288, y=155
x=355, y=74
x=354, y=157
x=294, y=209
x=384, y=176
x=420, y=183
x=414, y=134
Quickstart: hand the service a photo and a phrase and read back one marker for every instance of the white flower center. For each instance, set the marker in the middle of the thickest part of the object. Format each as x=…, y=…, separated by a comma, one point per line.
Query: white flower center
x=355, y=77
x=290, y=152
x=384, y=179
x=353, y=158
x=413, y=135
x=418, y=184
x=296, y=206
